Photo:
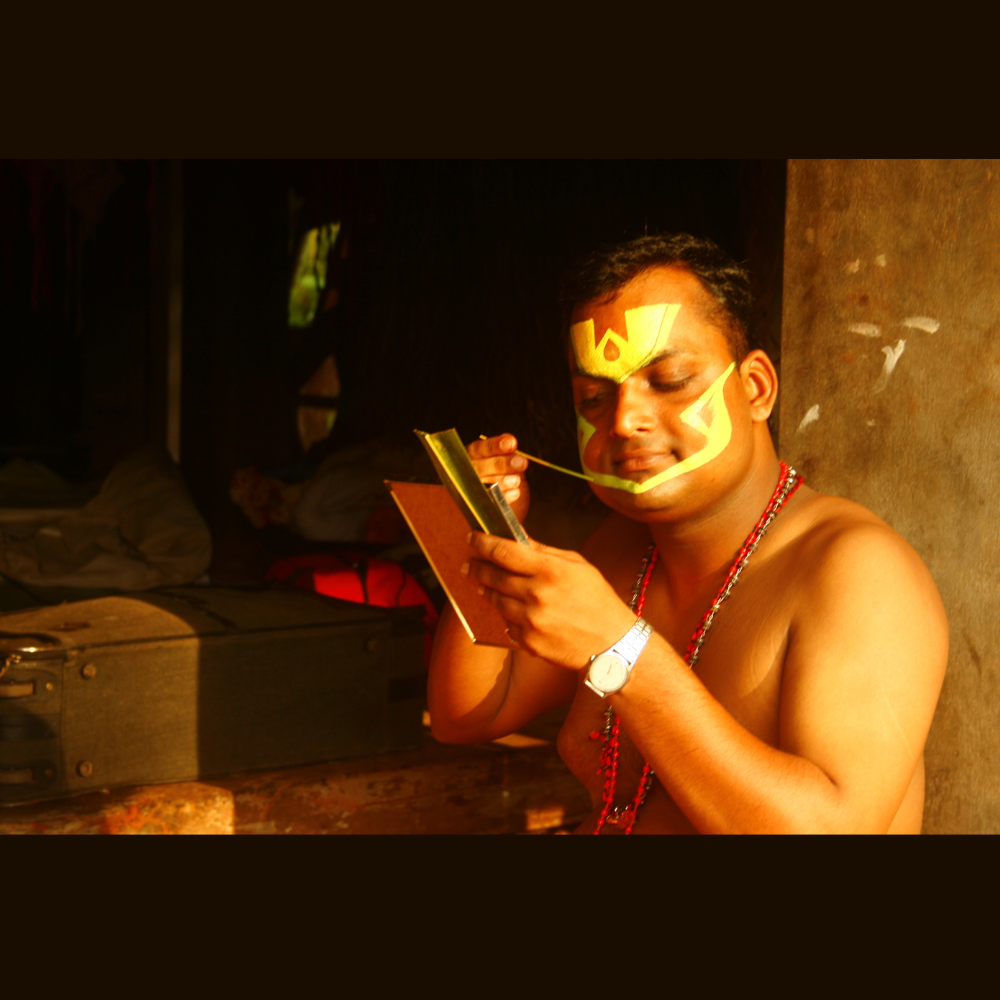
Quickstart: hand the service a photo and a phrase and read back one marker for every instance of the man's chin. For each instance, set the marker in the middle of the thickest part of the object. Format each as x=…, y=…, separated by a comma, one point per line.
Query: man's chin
x=659, y=498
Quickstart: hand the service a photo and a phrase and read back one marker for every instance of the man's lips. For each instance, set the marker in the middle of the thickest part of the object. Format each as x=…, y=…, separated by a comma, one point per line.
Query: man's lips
x=639, y=461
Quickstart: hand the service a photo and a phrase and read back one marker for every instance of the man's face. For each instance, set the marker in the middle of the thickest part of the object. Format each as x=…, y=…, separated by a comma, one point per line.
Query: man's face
x=657, y=393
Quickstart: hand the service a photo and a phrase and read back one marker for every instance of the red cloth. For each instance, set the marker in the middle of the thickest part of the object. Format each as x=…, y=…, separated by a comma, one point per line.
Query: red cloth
x=353, y=576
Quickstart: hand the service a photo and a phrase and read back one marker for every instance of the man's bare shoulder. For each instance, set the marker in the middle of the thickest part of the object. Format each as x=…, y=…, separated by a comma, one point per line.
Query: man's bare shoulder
x=841, y=553
x=840, y=532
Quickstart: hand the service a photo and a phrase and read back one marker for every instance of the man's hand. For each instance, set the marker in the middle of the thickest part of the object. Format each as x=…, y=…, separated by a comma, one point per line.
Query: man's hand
x=495, y=462
x=559, y=607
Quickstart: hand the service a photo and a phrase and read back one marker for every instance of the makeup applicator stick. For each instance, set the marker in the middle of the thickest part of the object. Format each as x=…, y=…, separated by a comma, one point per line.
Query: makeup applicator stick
x=548, y=465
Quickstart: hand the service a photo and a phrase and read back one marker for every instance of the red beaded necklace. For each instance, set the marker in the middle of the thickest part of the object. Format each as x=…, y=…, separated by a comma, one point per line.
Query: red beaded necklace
x=788, y=482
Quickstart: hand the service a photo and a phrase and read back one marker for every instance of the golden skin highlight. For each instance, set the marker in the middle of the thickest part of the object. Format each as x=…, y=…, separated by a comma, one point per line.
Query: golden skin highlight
x=718, y=429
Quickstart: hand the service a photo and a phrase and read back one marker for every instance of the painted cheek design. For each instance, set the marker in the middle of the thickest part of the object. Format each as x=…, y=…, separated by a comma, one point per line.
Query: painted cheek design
x=717, y=428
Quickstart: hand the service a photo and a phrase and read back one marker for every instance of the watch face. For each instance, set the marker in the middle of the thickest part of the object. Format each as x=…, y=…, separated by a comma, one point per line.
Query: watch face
x=608, y=672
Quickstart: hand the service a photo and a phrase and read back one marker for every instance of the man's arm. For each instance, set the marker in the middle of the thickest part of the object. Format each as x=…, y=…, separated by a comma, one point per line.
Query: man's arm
x=866, y=656
x=865, y=661
x=478, y=693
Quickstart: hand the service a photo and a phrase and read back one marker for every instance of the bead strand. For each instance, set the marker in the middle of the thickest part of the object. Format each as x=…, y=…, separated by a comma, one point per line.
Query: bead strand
x=788, y=482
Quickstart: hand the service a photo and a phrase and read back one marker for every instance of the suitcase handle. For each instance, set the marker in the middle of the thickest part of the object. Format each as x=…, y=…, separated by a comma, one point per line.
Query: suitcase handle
x=23, y=776
x=11, y=660
x=17, y=689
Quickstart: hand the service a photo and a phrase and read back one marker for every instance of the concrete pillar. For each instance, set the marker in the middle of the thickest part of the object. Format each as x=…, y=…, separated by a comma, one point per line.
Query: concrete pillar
x=891, y=397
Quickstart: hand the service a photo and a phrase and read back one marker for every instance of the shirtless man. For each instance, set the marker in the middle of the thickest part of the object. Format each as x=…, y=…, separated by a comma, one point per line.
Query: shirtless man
x=811, y=698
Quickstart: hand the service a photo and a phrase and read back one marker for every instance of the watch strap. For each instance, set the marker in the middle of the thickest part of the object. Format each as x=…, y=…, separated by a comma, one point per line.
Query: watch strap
x=633, y=642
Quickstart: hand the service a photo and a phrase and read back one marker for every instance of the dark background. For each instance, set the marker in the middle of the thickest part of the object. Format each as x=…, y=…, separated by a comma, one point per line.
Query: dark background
x=448, y=313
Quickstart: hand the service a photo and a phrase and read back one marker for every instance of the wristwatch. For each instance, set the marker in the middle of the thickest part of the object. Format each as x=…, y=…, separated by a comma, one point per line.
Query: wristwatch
x=610, y=670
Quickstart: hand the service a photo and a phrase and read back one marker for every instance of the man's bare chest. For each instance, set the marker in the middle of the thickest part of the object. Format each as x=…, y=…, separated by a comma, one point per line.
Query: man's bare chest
x=740, y=664
x=741, y=660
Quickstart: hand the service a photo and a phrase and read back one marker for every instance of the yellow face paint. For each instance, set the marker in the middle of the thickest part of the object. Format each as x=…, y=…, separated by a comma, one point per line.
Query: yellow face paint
x=614, y=356
x=708, y=415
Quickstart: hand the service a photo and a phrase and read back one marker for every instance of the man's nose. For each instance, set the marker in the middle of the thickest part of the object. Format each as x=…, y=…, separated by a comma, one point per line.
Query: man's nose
x=633, y=412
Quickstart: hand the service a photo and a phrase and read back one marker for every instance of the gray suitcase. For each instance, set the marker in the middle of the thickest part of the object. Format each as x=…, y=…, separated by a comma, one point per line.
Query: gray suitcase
x=191, y=682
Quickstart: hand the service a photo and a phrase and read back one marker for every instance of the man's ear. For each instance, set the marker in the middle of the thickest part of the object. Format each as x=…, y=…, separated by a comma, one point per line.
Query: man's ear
x=760, y=383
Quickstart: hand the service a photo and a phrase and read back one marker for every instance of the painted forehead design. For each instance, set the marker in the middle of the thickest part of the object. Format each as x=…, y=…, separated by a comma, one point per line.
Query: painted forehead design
x=616, y=354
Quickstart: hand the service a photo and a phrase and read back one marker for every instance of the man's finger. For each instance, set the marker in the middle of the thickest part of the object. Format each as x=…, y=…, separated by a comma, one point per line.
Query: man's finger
x=510, y=584
x=511, y=610
x=507, y=554
x=499, y=466
x=550, y=550
x=519, y=558
x=502, y=444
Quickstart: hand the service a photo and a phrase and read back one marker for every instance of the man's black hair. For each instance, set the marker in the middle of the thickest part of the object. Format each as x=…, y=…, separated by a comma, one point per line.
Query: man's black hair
x=605, y=271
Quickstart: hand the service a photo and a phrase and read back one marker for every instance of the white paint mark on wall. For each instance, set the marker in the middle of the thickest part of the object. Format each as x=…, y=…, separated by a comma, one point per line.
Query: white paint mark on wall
x=853, y=267
x=866, y=329
x=891, y=357
x=880, y=260
x=924, y=323
x=810, y=418
x=870, y=423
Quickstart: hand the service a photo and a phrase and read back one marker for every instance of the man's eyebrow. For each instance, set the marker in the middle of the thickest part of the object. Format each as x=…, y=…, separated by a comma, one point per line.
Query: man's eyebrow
x=667, y=355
